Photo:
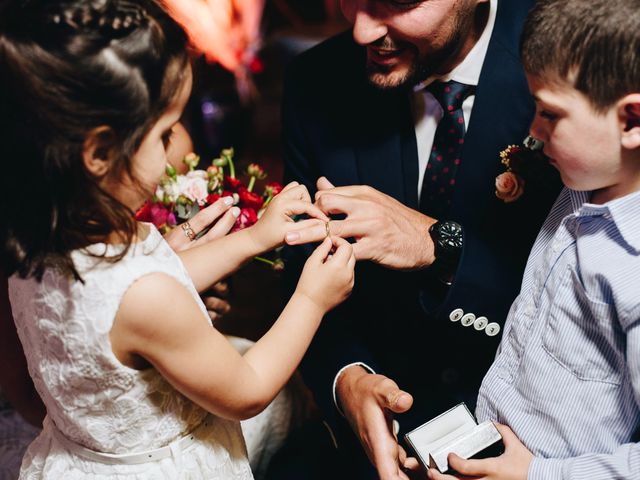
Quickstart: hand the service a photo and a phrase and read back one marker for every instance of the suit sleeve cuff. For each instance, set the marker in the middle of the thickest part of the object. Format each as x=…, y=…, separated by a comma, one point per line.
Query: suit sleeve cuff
x=339, y=374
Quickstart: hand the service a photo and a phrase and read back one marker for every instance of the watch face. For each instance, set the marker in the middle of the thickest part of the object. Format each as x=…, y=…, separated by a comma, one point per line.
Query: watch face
x=450, y=236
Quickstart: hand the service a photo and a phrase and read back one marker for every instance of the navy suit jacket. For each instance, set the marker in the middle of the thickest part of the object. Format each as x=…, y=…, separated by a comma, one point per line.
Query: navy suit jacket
x=336, y=125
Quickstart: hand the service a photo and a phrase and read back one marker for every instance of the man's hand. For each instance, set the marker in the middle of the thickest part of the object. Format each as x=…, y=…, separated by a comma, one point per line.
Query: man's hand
x=513, y=464
x=215, y=299
x=369, y=402
x=386, y=231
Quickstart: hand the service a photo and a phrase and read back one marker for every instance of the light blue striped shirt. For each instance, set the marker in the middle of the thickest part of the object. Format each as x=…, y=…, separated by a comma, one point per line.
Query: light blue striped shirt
x=567, y=375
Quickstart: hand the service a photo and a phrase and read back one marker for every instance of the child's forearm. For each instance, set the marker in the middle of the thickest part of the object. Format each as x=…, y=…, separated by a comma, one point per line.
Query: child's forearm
x=278, y=353
x=215, y=260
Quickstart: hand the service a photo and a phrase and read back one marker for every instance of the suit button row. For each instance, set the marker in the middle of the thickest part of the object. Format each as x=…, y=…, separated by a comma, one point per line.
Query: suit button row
x=479, y=323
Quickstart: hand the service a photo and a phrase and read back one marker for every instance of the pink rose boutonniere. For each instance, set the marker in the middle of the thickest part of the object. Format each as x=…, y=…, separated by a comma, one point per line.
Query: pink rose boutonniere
x=527, y=168
x=509, y=185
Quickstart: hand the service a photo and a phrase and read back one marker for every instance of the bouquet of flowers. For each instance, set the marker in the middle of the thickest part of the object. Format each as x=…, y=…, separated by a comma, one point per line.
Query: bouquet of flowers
x=180, y=196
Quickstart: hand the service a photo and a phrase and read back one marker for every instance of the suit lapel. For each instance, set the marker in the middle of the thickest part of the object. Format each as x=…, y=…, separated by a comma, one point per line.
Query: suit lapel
x=381, y=144
x=501, y=94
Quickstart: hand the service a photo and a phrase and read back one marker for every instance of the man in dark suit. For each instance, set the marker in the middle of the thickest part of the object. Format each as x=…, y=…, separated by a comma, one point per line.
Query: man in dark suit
x=364, y=108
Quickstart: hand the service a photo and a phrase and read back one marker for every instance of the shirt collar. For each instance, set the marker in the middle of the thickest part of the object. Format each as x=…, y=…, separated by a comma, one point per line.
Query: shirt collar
x=622, y=211
x=468, y=71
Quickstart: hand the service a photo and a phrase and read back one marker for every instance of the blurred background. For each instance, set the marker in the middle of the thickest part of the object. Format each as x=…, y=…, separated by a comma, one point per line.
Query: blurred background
x=243, y=111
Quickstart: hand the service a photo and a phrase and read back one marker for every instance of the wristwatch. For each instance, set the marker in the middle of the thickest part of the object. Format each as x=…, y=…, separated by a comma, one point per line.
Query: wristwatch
x=447, y=239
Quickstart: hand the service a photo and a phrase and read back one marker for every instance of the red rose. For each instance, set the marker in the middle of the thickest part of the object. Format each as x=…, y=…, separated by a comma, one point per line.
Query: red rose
x=247, y=217
x=250, y=199
x=231, y=183
x=212, y=198
x=509, y=187
x=144, y=213
x=273, y=188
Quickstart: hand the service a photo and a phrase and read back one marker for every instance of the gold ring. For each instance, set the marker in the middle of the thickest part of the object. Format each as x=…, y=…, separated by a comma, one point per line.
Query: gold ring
x=188, y=231
x=327, y=230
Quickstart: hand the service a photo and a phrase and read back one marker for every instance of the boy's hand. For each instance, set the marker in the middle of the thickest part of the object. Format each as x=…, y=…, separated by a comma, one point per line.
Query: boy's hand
x=513, y=464
x=327, y=277
x=278, y=219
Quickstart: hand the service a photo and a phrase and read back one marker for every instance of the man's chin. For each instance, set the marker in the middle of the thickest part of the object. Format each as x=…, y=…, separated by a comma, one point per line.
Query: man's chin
x=385, y=79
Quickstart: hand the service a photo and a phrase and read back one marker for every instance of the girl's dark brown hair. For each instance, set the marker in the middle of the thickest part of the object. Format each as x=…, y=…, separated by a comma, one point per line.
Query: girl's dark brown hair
x=68, y=68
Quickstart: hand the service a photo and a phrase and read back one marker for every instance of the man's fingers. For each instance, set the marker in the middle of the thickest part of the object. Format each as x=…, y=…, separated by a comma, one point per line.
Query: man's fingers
x=217, y=305
x=329, y=202
x=361, y=191
x=385, y=453
x=221, y=288
x=412, y=464
x=392, y=398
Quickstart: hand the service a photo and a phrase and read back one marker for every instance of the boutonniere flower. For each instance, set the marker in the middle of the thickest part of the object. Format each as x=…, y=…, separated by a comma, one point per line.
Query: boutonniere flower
x=527, y=168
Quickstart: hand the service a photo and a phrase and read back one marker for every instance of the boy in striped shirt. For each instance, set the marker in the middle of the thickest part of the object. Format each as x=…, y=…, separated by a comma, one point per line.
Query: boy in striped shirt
x=566, y=381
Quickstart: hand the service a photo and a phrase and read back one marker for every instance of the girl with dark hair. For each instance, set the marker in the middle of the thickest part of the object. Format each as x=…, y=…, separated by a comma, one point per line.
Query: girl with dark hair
x=136, y=382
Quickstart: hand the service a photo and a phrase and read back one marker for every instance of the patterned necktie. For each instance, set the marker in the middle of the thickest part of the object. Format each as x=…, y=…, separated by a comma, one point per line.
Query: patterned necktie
x=440, y=176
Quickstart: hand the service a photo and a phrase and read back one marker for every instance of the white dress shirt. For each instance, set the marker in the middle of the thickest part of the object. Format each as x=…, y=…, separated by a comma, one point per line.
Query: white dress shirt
x=428, y=112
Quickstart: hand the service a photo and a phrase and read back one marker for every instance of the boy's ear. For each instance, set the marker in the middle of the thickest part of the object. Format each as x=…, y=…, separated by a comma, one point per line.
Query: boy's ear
x=629, y=113
x=96, y=151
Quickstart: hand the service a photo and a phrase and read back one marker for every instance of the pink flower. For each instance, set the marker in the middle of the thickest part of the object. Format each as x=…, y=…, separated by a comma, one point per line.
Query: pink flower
x=160, y=215
x=509, y=187
x=196, y=189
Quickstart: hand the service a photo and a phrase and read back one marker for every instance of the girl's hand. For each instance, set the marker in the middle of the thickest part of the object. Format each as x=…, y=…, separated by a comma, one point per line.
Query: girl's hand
x=220, y=214
x=327, y=278
x=278, y=219
x=513, y=464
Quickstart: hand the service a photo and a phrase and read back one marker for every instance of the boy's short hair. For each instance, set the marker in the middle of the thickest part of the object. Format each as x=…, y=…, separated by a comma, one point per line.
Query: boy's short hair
x=592, y=44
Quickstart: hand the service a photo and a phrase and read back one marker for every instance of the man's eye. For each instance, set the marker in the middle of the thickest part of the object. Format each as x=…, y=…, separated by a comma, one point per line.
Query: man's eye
x=405, y=3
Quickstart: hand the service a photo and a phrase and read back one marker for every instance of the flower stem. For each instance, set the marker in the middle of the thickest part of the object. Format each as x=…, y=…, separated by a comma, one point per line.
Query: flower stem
x=232, y=169
x=264, y=260
x=252, y=182
x=267, y=200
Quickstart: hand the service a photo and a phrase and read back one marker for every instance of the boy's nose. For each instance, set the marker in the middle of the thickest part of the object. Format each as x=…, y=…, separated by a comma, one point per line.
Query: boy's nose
x=536, y=131
x=367, y=26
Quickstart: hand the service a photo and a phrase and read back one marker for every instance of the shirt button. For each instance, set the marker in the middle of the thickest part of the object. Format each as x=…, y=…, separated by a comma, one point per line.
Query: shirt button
x=492, y=329
x=480, y=323
x=456, y=315
x=468, y=319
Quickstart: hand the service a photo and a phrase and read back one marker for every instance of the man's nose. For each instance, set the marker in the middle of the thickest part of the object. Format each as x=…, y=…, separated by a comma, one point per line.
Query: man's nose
x=367, y=25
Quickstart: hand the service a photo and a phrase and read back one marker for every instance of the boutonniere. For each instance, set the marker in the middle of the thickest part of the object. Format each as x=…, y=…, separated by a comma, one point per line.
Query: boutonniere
x=527, y=168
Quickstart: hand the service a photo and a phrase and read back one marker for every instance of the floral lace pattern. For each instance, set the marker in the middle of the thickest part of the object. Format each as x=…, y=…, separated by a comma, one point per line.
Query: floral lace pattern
x=91, y=398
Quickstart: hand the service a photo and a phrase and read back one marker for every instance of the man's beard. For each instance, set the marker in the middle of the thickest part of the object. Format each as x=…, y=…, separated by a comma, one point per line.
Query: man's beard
x=424, y=66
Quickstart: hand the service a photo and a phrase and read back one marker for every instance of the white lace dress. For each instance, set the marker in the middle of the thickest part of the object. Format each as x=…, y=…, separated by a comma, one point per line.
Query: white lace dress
x=94, y=403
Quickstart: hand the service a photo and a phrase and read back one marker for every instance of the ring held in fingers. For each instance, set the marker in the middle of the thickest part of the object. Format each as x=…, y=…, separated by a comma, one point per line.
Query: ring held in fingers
x=327, y=230
x=188, y=231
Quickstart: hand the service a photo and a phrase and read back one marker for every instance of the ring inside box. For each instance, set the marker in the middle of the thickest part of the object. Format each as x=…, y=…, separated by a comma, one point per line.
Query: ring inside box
x=454, y=431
